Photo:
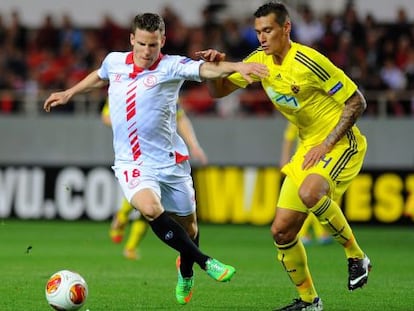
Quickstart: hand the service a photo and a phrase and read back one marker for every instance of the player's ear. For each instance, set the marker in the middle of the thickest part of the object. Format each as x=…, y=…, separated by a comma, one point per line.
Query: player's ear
x=131, y=38
x=287, y=27
x=163, y=41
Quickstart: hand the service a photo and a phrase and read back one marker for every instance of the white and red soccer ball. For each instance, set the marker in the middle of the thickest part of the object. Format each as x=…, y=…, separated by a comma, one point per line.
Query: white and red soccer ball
x=66, y=291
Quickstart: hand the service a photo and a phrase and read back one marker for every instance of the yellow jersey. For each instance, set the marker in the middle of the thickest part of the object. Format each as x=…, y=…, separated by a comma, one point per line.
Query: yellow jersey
x=105, y=109
x=291, y=132
x=307, y=88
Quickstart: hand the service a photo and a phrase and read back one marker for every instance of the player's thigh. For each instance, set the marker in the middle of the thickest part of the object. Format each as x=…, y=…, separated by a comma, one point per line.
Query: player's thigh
x=290, y=213
x=177, y=190
x=289, y=196
x=141, y=188
x=147, y=201
x=338, y=167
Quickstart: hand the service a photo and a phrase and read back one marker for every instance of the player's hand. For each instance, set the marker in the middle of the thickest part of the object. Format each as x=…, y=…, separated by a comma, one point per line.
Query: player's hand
x=248, y=70
x=211, y=55
x=314, y=155
x=198, y=153
x=56, y=99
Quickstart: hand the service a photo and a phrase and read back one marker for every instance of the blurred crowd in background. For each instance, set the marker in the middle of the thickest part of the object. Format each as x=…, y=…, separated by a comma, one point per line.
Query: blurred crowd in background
x=378, y=56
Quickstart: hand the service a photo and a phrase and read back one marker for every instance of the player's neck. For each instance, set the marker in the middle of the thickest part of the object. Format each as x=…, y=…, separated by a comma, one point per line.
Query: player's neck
x=280, y=56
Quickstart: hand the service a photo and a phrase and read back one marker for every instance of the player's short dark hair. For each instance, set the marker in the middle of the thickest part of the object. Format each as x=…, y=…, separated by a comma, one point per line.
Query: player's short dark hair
x=149, y=22
x=278, y=8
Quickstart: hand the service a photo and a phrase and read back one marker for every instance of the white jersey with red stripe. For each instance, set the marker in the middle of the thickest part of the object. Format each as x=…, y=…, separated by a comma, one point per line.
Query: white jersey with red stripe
x=142, y=105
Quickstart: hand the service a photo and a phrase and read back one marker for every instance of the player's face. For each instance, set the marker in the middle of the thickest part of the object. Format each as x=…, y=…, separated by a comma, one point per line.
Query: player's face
x=146, y=47
x=274, y=39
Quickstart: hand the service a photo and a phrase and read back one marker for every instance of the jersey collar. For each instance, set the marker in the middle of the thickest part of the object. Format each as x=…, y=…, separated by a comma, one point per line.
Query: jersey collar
x=137, y=70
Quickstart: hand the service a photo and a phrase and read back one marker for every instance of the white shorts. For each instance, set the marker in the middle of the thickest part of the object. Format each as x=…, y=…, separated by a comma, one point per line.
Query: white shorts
x=174, y=185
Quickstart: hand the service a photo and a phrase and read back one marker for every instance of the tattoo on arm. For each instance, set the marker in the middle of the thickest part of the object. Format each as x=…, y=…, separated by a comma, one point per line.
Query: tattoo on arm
x=354, y=107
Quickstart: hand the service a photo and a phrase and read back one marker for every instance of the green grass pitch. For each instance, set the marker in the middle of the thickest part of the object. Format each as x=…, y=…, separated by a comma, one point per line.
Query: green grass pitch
x=149, y=284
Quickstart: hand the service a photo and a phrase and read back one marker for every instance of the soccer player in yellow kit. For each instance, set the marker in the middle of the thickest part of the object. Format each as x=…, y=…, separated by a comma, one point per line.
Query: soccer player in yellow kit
x=324, y=103
x=139, y=225
x=311, y=228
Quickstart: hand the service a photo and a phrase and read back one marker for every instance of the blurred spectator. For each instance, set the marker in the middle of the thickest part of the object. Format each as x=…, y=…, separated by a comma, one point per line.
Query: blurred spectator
x=112, y=36
x=17, y=32
x=177, y=42
x=353, y=26
x=327, y=42
x=342, y=55
x=409, y=70
x=401, y=26
x=393, y=76
x=308, y=30
x=249, y=34
x=372, y=49
x=47, y=36
x=3, y=31
x=234, y=43
x=403, y=51
x=69, y=34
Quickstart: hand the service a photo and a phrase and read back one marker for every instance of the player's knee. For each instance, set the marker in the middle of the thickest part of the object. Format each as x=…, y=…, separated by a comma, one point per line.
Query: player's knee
x=308, y=197
x=313, y=188
x=282, y=236
x=150, y=211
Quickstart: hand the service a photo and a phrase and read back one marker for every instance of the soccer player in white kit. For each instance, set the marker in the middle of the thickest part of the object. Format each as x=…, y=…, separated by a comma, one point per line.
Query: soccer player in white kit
x=151, y=160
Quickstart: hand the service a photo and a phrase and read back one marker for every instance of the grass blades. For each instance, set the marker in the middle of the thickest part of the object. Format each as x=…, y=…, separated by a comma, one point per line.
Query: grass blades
x=31, y=251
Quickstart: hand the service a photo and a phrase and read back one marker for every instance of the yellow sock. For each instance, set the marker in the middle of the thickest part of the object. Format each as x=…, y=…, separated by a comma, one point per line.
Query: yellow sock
x=136, y=234
x=123, y=213
x=294, y=260
x=305, y=230
x=318, y=229
x=331, y=217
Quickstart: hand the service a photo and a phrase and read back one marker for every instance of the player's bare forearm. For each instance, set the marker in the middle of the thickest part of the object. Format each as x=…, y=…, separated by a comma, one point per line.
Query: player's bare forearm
x=214, y=70
x=354, y=107
x=220, y=86
x=61, y=98
x=90, y=82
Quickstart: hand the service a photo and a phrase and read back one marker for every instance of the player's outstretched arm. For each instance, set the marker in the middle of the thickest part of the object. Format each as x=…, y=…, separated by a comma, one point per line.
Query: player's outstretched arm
x=61, y=98
x=219, y=87
x=214, y=70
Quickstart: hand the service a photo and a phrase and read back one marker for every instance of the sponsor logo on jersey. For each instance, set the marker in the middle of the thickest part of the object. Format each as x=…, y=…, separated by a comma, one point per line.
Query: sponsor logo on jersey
x=282, y=99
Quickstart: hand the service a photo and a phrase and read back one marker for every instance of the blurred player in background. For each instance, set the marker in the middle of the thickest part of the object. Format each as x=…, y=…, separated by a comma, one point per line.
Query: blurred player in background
x=151, y=159
x=324, y=104
x=311, y=228
x=139, y=225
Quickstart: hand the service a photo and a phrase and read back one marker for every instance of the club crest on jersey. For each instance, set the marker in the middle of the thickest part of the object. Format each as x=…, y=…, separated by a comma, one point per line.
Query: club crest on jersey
x=295, y=88
x=150, y=81
x=133, y=183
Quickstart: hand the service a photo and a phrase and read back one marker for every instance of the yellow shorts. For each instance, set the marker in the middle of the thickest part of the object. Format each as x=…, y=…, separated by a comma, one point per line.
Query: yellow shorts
x=339, y=167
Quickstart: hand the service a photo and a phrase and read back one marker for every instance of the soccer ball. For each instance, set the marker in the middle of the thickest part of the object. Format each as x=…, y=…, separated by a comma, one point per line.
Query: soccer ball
x=66, y=290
